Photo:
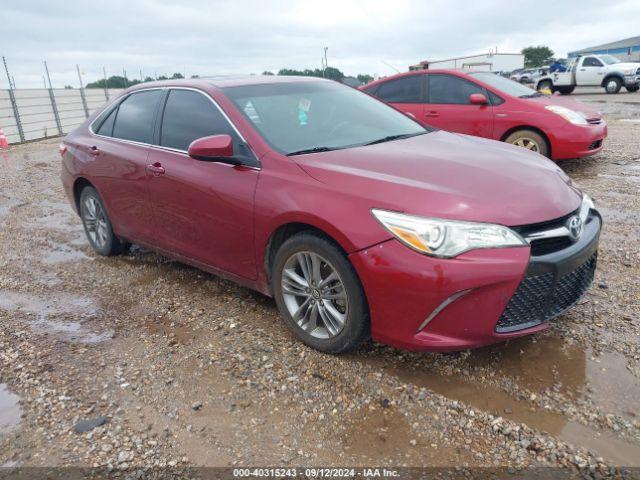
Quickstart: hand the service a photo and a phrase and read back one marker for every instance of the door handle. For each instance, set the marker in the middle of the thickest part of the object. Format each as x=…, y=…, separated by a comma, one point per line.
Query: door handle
x=94, y=150
x=432, y=114
x=583, y=69
x=156, y=168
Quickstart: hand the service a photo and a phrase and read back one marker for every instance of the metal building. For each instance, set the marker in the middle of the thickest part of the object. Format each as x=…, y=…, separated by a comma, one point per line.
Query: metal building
x=490, y=62
x=627, y=50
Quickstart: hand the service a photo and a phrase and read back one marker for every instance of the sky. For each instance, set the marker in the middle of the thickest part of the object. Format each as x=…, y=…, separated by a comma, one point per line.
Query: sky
x=219, y=37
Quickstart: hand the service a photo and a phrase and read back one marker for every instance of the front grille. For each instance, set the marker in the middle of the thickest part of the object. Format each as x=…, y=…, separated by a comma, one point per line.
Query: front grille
x=539, y=298
x=543, y=246
x=638, y=71
x=594, y=145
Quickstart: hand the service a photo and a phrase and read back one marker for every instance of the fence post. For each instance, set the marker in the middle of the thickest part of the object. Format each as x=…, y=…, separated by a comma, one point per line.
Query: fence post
x=106, y=90
x=14, y=104
x=84, y=100
x=53, y=101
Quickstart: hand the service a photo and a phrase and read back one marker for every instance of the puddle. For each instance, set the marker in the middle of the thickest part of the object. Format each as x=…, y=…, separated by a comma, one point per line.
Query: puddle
x=10, y=411
x=51, y=315
x=8, y=203
x=384, y=433
x=538, y=365
x=62, y=255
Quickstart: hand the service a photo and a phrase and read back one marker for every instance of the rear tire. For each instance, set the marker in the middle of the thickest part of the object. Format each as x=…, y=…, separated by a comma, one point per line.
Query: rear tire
x=332, y=317
x=613, y=85
x=633, y=89
x=546, y=85
x=97, y=225
x=565, y=90
x=530, y=140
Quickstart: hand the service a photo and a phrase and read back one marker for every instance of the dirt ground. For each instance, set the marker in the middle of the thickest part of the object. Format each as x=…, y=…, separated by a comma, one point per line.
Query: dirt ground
x=182, y=368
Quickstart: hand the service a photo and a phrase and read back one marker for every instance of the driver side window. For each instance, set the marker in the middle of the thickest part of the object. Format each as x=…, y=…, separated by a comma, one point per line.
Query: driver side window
x=591, y=62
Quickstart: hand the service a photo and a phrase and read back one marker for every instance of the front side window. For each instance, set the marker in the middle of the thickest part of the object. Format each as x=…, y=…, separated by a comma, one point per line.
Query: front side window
x=135, y=116
x=591, y=62
x=319, y=115
x=448, y=89
x=402, y=90
x=189, y=115
x=504, y=85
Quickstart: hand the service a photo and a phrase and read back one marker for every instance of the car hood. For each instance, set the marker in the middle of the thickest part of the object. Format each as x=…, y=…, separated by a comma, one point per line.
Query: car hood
x=623, y=65
x=452, y=176
x=587, y=111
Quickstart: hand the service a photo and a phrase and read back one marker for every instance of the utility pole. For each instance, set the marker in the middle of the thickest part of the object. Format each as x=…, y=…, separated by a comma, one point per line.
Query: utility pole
x=326, y=64
x=124, y=76
x=106, y=90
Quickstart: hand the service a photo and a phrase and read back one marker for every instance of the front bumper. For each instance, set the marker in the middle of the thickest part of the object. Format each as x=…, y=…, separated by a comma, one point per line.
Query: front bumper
x=404, y=288
x=577, y=141
x=631, y=80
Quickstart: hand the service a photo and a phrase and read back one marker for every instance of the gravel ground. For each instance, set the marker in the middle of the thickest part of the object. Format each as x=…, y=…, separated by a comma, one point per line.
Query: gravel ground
x=174, y=367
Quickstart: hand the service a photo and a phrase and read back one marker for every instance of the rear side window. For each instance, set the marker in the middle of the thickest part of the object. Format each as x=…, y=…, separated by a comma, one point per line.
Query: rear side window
x=189, y=115
x=106, y=128
x=402, y=90
x=134, y=120
x=452, y=90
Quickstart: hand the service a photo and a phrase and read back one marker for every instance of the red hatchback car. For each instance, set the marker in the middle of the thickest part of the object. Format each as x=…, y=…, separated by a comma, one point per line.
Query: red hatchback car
x=357, y=219
x=488, y=105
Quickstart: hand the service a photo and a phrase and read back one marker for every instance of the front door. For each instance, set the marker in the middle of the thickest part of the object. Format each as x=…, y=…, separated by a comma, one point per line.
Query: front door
x=591, y=72
x=448, y=106
x=203, y=210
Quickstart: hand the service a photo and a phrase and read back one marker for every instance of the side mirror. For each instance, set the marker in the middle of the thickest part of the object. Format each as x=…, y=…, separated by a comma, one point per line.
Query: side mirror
x=478, y=99
x=215, y=148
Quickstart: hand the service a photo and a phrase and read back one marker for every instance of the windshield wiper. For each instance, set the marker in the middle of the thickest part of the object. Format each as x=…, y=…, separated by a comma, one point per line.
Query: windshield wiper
x=390, y=138
x=531, y=95
x=310, y=150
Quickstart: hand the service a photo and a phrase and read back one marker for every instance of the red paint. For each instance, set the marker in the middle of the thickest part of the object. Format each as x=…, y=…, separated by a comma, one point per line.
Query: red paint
x=496, y=122
x=215, y=146
x=221, y=218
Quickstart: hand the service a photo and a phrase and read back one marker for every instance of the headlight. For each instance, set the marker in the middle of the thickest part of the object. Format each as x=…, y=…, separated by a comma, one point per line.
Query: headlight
x=446, y=238
x=630, y=71
x=568, y=114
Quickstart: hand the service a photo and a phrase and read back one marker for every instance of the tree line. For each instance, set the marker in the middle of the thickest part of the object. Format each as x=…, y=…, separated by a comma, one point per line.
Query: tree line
x=119, y=81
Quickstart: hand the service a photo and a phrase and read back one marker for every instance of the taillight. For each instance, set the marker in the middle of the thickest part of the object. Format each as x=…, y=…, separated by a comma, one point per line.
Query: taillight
x=62, y=148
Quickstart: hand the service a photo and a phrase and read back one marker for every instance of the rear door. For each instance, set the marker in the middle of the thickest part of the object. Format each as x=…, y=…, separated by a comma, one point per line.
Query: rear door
x=204, y=210
x=590, y=72
x=448, y=106
x=118, y=151
x=405, y=94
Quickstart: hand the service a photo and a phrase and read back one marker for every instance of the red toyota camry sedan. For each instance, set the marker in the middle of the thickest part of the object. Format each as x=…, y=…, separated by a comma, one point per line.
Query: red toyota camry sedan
x=487, y=105
x=357, y=219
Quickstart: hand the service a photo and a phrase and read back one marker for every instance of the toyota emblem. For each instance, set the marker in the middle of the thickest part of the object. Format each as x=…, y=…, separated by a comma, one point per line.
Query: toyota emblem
x=575, y=227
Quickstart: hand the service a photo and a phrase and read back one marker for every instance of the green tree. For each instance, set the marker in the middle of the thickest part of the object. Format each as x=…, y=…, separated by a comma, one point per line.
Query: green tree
x=329, y=72
x=364, y=78
x=267, y=72
x=536, y=56
x=177, y=76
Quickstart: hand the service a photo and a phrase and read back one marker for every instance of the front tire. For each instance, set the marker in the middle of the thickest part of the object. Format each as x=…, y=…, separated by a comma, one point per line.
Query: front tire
x=613, y=85
x=97, y=225
x=530, y=140
x=319, y=294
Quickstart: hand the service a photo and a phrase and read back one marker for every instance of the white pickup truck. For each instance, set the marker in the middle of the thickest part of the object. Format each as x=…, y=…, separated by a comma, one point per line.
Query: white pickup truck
x=593, y=70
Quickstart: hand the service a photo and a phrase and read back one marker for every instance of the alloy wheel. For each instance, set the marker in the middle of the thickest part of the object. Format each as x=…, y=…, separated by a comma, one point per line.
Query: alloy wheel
x=95, y=221
x=527, y=143
x=314, y=294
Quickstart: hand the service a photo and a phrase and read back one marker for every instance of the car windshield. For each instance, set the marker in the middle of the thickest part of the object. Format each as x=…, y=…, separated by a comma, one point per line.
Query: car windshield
x=609, y=59
x=505, y=85
x=315, y=116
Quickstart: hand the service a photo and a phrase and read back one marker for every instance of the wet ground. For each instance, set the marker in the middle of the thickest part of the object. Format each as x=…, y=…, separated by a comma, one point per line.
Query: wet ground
x=189, y=369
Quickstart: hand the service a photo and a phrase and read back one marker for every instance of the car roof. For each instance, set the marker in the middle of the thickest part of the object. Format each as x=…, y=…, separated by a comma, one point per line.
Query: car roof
x=222, y=81
x=454, y=71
